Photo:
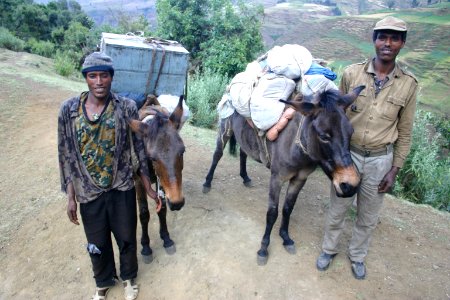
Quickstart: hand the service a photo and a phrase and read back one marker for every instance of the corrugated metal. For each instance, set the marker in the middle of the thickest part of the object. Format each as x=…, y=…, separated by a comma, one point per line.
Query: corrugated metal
x=134, y=71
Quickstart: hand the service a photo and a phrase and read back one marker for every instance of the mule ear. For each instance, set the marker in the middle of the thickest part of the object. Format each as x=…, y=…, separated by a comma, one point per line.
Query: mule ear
x=137, y=126
x=348, y=99
x=177, y=114
x=305, y=108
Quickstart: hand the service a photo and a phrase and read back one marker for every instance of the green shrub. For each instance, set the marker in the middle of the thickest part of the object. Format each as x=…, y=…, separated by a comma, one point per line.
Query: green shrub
x=425, y=176
x=10, y=41
x=64, y=64
x=204, y=93
x=42, y=48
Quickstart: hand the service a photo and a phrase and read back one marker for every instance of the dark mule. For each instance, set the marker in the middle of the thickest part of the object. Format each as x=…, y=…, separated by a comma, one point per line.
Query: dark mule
x=164, y=148
x=317, y=136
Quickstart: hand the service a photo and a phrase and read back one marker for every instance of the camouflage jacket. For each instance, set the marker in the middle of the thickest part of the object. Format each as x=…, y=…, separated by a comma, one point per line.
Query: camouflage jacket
x=71, y=166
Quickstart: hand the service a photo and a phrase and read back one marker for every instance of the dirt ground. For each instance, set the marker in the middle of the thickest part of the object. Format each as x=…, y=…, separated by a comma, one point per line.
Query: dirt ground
x=43, y=256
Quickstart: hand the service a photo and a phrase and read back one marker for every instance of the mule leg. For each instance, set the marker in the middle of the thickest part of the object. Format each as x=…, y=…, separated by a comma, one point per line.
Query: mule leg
x=144, y=217
x=222, y=139
x=168, y=244
x=271, y=217
x=243, y=168
x=294, y=188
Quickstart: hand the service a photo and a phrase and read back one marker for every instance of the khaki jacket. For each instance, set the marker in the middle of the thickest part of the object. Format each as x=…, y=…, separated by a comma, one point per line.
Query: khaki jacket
x=386, y=118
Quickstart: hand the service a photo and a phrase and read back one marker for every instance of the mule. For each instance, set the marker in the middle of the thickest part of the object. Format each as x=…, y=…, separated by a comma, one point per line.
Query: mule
x=318, y=135
x=164, y=149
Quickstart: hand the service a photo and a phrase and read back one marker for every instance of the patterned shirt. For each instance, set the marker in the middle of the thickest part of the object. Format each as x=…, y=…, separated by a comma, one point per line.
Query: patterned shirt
x=71, y=164
x=96, y=140
x=385, y=117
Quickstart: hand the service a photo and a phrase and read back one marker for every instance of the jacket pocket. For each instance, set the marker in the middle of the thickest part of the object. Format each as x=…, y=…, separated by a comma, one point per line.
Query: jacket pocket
x=357, y=106
x=392, y=106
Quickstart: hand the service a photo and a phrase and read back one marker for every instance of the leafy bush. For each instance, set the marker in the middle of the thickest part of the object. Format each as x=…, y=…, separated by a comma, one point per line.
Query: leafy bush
x=204, y=93
x=64, y=64
x=10, y=41
x=425, y=176
x=43, y=48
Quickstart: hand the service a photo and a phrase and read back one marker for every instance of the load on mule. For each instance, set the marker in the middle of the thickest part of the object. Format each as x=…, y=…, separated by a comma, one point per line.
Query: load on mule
x=317, y=134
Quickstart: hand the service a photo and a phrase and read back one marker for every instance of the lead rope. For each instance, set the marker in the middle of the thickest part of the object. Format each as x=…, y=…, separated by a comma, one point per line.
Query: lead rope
x=298, y=137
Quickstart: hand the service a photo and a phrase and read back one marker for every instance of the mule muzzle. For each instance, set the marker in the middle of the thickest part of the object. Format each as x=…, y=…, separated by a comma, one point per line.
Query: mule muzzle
x=346, y=181
x=346, y=190
x=176, y=205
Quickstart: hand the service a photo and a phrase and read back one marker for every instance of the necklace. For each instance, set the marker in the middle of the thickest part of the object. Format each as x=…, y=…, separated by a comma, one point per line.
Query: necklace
x=95, y=116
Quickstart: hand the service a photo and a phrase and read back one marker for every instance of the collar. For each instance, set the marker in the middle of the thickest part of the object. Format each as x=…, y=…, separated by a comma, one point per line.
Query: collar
x=78, y=100
x=396, y=72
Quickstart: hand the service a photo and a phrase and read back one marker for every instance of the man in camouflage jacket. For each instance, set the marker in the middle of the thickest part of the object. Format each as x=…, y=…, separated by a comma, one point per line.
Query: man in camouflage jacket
x=96, y=170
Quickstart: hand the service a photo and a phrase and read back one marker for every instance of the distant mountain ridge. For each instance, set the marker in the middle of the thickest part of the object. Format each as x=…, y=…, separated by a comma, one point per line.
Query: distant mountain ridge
x=106, y=11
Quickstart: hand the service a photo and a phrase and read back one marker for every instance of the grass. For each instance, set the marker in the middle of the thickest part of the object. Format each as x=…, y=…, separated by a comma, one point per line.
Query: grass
x=38, y=68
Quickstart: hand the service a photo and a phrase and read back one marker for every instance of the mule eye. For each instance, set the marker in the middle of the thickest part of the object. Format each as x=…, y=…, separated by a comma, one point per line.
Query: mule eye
x=324, y=137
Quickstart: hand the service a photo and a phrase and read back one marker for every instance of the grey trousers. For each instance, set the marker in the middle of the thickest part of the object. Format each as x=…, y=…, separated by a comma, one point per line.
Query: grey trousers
x=369, y=203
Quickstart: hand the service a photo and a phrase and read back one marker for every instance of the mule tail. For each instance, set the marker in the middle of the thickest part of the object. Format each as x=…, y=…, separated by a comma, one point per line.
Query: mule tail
x=233, y=145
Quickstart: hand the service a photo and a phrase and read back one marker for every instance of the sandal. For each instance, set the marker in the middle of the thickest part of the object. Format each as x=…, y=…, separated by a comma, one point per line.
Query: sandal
x=100, y=293
x=131, y=289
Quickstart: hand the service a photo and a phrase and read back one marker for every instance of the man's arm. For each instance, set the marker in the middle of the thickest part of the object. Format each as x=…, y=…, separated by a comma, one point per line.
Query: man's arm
x=143, y=172
x=150, y=192
x=403, y=143
x=72, y=205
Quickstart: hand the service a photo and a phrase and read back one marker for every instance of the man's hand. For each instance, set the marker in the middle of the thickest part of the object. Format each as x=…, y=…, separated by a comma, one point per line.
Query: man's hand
x=72, y=204
x=388, y=180
x=72, y=211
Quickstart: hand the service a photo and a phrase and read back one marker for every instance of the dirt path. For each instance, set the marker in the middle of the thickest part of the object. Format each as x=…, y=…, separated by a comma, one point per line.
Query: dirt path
x=42, y=255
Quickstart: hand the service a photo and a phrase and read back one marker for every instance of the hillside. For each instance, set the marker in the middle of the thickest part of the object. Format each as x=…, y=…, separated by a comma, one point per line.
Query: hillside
x=345, y=40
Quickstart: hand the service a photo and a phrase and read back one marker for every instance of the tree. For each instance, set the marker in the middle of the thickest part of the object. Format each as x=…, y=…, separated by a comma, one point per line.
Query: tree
x=390, y=3
x=220, y=35
x=31, y=20
x=184, y=21
x=415, y=3
x=235, y=40
x=362, y=6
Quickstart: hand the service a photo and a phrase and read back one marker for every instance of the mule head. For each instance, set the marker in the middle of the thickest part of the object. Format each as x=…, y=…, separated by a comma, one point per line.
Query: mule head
x=326, y=133
x=164, y=149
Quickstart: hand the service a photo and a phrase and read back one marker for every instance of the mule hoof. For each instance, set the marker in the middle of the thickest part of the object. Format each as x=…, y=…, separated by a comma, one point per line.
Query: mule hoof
x=171, y=249
x=261, y=260
x=262, y=257
x=206, y=189
x=290, y=249
x=248, y=183
x=147, y=258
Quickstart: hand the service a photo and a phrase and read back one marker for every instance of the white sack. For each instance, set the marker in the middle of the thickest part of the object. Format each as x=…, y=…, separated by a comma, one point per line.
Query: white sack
x=170, y=102
x=225, y=108
x=290, y=60
x=265, y=108
x=240, y=90
x=312, y=84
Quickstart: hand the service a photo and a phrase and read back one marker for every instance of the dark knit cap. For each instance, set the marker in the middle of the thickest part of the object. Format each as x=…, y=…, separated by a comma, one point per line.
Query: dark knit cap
x=97, y=61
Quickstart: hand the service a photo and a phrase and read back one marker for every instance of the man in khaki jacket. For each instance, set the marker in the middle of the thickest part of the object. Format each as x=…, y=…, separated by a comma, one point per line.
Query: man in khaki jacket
x=382, y=117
